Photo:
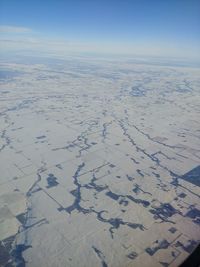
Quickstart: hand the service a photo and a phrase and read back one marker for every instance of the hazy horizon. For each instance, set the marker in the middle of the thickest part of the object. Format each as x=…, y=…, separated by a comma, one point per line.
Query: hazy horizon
x=135, y=28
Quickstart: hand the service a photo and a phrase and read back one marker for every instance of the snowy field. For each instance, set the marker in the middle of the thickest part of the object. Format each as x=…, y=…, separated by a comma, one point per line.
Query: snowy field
x=100, y=163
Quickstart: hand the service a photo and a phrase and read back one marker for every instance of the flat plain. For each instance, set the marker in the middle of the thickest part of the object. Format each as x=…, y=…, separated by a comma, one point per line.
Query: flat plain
x=100, y=163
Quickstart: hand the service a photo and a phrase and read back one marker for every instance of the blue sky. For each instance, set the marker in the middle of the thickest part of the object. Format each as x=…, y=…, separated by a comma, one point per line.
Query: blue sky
x=154, y=27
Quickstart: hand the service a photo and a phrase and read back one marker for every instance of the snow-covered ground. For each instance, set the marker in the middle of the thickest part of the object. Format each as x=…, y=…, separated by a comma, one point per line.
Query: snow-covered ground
x=100, y=163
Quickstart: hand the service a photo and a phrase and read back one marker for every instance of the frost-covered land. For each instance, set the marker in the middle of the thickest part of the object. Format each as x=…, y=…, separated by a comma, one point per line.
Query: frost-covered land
x=100, y=163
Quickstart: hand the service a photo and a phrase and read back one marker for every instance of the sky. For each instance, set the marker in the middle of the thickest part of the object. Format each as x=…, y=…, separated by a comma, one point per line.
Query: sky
x=169, y=28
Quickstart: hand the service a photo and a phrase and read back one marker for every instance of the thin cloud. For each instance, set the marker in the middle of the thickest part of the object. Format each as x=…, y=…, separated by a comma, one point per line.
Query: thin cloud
x=13, y=29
